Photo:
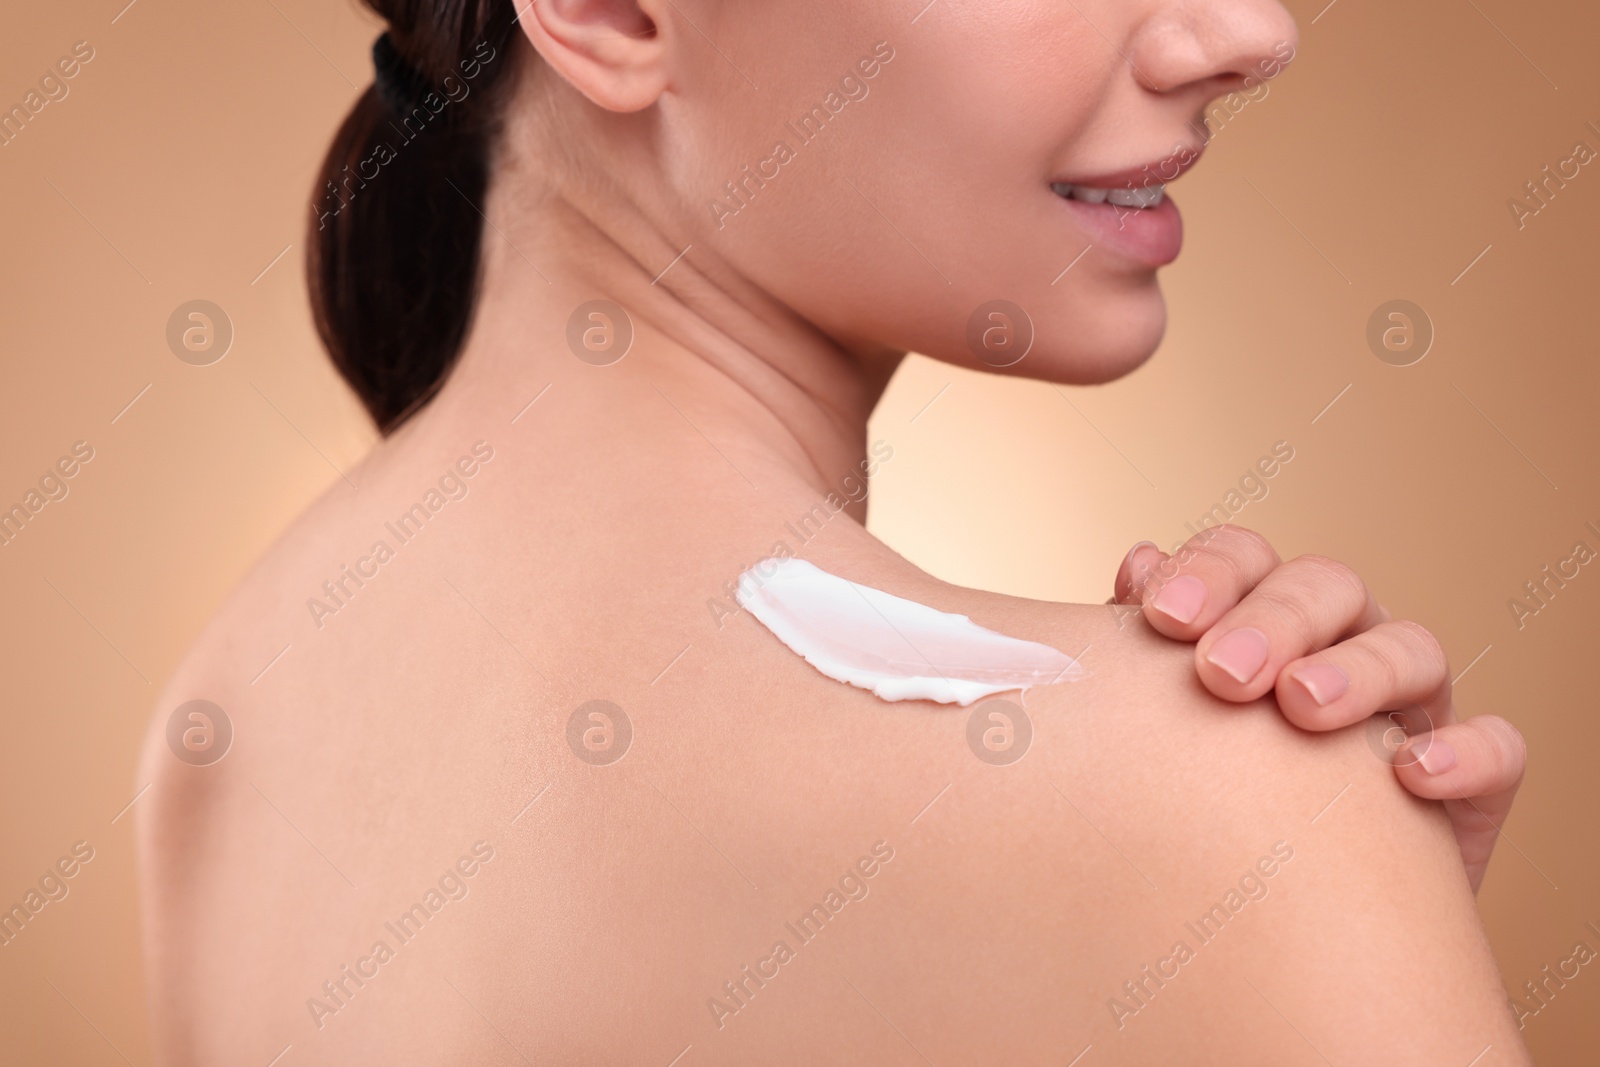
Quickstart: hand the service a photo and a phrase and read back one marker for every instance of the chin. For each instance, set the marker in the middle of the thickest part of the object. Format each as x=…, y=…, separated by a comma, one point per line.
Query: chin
x=1117, y=339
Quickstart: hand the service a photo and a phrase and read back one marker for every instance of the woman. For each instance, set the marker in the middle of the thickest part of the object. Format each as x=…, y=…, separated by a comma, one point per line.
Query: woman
x=621, y=280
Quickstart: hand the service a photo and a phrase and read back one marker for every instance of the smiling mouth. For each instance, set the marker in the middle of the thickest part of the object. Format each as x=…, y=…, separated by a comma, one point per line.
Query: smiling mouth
x=1146, y=196
x=1140, y=188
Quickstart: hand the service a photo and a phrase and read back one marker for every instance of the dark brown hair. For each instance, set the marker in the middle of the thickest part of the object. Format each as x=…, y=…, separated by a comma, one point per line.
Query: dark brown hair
x=392, y=258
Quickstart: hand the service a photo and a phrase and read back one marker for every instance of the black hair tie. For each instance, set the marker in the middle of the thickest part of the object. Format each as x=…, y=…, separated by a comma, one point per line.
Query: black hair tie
x=400, y=85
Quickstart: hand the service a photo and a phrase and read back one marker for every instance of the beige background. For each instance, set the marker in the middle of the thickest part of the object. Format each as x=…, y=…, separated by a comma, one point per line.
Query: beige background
x=179, y=166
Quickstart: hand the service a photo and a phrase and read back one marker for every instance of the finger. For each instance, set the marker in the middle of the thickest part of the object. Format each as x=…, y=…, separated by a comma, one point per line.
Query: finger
x=1211, y=572
x=1475, y=767
x=1142, y=559
x=1394, y=665
x=1301, y=607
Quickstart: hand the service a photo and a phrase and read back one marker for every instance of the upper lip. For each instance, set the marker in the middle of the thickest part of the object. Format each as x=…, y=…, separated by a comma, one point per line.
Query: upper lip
x=1157, y=172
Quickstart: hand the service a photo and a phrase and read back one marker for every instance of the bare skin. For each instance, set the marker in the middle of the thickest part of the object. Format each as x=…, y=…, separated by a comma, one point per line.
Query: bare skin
x=410, y=726
x=1007, y=907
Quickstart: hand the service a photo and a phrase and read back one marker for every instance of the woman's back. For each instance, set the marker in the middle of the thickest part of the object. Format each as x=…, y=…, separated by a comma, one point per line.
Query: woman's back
x=427, y=844
x=511, y=777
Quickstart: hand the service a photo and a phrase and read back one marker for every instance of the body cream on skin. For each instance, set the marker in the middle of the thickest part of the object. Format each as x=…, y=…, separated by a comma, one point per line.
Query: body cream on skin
x=894, y=647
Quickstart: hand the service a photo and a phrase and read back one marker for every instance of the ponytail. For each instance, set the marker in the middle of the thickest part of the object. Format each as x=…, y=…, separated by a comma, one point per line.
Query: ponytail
x=392, y=257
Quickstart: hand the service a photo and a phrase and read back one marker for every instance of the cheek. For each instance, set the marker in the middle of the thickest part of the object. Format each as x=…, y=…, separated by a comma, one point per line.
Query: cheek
x=930, y=197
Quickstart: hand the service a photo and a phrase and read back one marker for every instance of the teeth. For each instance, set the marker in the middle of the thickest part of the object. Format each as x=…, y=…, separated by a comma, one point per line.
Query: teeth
x=1147, y=197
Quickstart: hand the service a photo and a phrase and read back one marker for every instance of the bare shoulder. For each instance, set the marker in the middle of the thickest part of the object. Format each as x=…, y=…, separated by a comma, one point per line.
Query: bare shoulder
x=196, y=763
x=693, y=831
x=1121, y=861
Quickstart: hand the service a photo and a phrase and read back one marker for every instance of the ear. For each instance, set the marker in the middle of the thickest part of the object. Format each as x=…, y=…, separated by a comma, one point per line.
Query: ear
x=610, y=50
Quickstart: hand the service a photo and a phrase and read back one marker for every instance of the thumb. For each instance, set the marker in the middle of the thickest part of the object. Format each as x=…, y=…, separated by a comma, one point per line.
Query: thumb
x=1475, y=767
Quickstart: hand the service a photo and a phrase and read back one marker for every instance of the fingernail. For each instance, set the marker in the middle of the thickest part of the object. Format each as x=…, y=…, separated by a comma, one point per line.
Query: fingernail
x=1435, y=756
x=1134, y=581
x=1241, y=653
x=1325, y=682
x=1135, y=550
x=1181, y=599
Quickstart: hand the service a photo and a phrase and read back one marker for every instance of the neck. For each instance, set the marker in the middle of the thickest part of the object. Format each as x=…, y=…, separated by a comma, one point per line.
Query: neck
x=765, y=392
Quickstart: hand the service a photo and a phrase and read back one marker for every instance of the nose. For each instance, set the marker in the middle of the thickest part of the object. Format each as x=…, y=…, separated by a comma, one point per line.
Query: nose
x=1212, y=45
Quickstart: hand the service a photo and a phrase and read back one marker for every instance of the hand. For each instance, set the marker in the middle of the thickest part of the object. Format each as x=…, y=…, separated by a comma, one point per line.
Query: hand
x=1309, y=630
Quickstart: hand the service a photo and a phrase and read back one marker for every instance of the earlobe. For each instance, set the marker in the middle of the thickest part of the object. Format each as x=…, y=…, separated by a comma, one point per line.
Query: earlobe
x=612, y=51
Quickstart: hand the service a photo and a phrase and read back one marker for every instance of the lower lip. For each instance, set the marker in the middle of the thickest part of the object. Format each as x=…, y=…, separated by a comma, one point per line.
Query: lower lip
x=1151, y=237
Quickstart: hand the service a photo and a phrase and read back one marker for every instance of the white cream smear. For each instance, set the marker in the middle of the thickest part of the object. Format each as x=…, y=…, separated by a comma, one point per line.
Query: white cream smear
x=897, y=648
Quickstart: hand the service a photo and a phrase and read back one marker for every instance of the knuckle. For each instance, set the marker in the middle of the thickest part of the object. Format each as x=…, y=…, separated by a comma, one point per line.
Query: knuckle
x=1335, y=572
x=1246, y=542
x=1379, y=666
x=1506, y=741
x=1296, y=612
x=1243, y=554
x=1419, y=642
x=1320, y=597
